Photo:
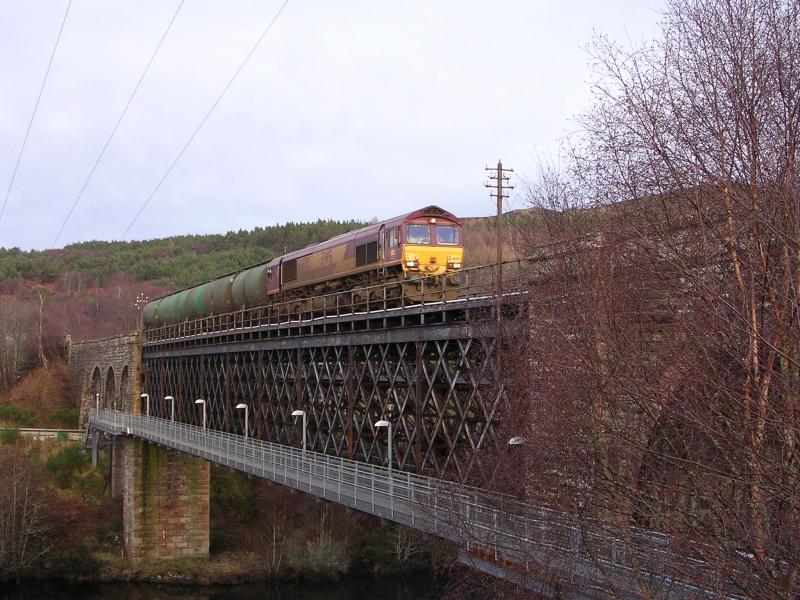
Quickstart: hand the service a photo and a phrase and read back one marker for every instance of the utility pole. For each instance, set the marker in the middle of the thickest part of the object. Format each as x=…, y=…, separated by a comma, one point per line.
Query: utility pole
x=497, y=178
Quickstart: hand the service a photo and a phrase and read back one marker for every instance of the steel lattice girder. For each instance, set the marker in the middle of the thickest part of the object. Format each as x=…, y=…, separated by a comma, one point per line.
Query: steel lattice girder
x=441, y=395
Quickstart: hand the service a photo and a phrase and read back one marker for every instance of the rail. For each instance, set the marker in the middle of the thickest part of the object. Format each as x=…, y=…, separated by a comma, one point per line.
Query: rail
x=477, y=283
x=523, y=541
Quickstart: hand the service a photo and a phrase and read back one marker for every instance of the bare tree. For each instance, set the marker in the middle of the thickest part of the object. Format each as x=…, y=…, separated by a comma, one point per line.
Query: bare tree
x=22, y=511
x=16, y=327
x=663, y=375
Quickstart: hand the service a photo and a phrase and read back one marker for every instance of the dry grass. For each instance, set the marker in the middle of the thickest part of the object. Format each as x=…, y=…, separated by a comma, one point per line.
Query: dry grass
x=46, y=394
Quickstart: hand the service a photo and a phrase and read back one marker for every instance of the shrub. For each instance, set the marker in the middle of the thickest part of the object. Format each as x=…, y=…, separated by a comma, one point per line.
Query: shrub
x=65, y=464
x=17, y=415
x=68, y=417
x=74, y=563
x=8, y=435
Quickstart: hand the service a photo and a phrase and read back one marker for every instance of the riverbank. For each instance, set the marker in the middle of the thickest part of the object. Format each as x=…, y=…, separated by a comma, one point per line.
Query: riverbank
x=226, y=569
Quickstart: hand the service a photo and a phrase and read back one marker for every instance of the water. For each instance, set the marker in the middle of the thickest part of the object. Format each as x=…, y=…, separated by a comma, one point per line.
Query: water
x=418, y=586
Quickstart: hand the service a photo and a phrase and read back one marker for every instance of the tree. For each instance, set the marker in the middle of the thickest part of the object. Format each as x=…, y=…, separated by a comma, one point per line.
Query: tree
x=22, y=511
x=665, y=365
x=16, y=338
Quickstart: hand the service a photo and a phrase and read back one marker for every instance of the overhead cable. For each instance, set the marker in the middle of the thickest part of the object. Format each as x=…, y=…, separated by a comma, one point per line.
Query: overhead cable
x=205, y=118
x=35, y=109
x=116, y=125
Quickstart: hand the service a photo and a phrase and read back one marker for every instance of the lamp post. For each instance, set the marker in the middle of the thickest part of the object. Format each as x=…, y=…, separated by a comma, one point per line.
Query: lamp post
x=172, y=401
x=302, y=413
x=203, y=402
x=246, y=410
x=97, y=401
x=147, y=400
x=388, y=425
x=515, y=457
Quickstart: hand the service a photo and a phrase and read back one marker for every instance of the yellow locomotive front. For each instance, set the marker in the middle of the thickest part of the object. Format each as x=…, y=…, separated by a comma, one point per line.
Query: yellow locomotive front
x=432, y=253
x=433, y=247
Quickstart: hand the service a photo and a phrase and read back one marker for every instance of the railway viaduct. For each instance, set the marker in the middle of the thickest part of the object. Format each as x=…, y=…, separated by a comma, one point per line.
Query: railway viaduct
x=429, y=370
x=421, y=366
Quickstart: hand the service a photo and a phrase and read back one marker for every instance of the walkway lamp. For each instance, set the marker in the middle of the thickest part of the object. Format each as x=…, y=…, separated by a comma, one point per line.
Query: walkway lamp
x=514, y=446
x=302, y=413
x=97, y=401
x=172, y=401
x=147, y=400
x=246, y=410
x=203, y=402
x=388, y=425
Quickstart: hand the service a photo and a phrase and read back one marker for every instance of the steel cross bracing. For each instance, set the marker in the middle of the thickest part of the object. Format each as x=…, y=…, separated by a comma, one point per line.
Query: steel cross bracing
x=348, y=360
x=498, y=533
x=438, y=385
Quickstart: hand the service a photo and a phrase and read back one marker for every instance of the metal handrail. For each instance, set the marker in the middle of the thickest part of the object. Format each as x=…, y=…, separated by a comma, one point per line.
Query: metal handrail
x=518, y=535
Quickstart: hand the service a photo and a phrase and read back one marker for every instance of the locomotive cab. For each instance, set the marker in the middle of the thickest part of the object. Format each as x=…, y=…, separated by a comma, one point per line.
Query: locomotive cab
x=431, y=250
x=431, y=246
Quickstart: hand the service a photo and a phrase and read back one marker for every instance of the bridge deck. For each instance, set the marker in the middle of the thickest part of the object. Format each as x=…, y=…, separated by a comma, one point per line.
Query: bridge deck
x=500, y=535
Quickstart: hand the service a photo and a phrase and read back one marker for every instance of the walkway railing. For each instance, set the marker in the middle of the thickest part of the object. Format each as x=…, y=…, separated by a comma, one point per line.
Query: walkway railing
x=504, y=535
x=72, y=435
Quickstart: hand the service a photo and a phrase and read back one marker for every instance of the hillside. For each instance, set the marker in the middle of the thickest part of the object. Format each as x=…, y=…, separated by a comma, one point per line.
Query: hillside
x=172, y=262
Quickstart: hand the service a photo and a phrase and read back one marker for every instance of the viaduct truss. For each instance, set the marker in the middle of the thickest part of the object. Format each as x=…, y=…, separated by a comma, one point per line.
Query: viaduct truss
x=348, y=360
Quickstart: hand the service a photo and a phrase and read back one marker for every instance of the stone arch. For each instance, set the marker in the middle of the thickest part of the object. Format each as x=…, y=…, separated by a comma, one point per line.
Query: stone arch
x=124, y=389
x=95, y=386
x=110, y=395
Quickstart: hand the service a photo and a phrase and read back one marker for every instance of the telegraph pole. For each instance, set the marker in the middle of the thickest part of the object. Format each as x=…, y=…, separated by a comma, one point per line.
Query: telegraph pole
x=497, y=177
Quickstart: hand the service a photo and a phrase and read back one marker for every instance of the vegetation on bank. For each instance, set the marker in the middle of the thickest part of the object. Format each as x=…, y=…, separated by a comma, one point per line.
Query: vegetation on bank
x=60, y=522
x=40, y=398
x=54, y=509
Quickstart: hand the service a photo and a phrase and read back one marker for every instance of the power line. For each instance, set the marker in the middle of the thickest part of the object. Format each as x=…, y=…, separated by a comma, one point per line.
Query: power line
x=35, y=108
x=205, y=118
x=116, y=126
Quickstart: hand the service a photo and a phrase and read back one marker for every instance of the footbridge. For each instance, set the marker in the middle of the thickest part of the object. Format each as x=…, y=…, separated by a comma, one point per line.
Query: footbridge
x=497, y=534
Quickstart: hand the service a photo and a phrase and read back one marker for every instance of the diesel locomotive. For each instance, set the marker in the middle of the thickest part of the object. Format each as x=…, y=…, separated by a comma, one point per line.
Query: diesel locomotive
x=418, y=254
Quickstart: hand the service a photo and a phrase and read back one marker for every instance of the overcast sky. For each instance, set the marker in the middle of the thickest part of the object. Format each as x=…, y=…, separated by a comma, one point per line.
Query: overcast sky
x=348, y=109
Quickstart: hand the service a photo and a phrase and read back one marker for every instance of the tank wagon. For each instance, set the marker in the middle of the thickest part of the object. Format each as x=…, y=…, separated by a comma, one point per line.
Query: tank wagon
x=424, y=245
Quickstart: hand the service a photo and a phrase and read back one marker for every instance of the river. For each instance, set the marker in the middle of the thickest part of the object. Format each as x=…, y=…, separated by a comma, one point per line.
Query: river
x=413, y=587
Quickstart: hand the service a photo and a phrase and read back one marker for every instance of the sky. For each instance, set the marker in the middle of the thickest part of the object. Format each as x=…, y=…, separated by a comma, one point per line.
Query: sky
x=347, y=110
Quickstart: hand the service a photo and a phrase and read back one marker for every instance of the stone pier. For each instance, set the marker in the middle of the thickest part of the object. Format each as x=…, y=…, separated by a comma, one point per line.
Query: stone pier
x=165, y=502
x=164, y=493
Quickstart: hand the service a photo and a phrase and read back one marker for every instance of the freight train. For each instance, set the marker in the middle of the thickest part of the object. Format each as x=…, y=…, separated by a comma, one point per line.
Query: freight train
x=418, y=254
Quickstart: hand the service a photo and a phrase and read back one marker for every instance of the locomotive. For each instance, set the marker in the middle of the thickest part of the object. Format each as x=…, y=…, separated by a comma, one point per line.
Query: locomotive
x=419, y=255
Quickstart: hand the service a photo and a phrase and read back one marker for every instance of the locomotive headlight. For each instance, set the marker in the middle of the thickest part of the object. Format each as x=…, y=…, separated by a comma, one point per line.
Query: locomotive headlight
x=454, y=265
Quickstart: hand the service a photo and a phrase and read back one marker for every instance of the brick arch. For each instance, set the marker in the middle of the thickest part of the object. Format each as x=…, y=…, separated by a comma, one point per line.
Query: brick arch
x=124, y=402
x=110, y=390
x=95, y=385
x=91, y=361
